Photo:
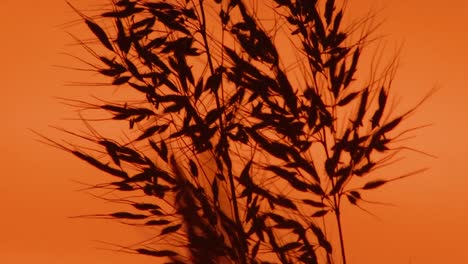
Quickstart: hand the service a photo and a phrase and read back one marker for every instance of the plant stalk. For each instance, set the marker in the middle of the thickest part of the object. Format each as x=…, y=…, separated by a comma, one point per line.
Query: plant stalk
x=223, y=138
x=340, y=230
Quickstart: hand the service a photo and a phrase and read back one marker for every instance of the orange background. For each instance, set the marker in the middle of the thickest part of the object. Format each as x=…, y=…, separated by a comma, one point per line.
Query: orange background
x=37, y=193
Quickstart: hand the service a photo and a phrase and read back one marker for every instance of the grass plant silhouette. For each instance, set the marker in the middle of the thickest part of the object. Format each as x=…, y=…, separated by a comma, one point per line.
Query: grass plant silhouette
x=235, y=157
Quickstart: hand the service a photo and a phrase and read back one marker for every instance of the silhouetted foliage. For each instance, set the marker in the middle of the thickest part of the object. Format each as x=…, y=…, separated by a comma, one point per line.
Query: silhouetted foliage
x=237, y=158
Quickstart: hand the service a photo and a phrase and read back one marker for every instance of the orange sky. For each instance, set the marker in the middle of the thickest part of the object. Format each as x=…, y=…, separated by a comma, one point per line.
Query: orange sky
x=427, y=225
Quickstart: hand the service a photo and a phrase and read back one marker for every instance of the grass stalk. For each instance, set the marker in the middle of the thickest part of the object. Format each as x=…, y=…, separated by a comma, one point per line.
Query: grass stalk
x=223, y=138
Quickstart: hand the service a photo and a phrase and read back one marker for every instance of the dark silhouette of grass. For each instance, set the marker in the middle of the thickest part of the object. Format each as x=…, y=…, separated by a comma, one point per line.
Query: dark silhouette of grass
x=234, y=162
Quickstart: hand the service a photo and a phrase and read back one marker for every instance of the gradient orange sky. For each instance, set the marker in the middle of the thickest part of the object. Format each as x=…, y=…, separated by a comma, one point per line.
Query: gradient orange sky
x=427, y=225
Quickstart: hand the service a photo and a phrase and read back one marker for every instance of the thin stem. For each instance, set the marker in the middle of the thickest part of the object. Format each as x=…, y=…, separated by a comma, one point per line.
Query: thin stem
x=223, y=138
x=340, y=231
x=205, y=39
x=338, y=221
x=336, y=196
